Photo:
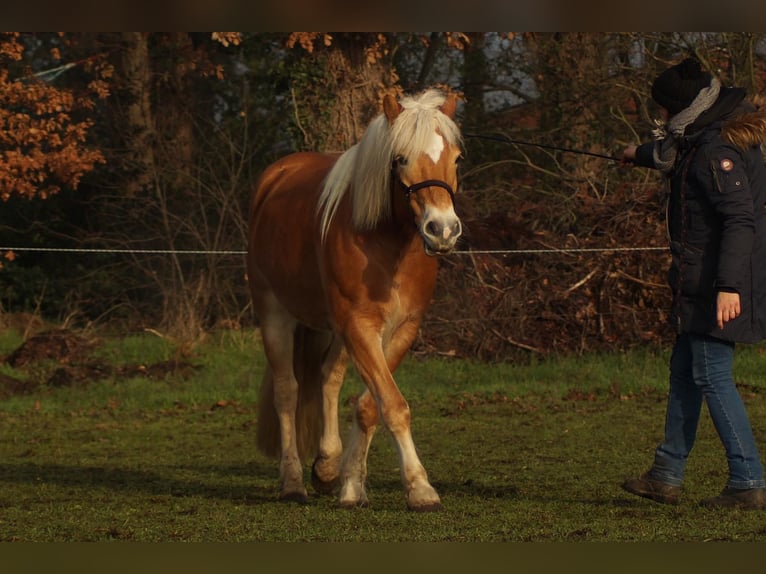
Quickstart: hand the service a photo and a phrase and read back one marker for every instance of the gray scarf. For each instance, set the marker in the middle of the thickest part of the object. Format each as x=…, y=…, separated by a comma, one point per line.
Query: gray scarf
x=667, y=135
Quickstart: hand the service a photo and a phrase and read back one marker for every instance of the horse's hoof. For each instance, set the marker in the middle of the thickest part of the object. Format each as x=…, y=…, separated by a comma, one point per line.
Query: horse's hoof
x=296, y=497
x=323, y=486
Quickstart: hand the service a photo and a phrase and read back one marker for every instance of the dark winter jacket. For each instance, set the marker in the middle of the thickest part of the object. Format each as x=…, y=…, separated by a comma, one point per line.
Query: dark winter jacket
x=716, y=219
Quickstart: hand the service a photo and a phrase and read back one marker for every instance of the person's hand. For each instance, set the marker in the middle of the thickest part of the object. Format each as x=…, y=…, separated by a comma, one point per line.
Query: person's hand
x=727, y=307
x=629, y=155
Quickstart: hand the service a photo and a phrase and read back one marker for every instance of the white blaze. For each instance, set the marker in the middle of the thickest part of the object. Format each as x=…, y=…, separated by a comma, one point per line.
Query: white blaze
x=436, y=147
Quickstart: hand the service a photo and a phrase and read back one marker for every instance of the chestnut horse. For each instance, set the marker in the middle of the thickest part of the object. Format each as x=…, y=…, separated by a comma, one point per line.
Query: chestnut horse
x=340, y=265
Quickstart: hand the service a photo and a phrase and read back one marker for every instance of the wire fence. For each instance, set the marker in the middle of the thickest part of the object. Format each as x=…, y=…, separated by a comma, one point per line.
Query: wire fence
x=242, y=252
x=464, y=332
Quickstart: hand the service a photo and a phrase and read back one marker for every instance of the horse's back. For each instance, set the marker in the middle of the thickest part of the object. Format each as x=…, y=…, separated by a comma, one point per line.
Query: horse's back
x=296, y=177
x=283, y=233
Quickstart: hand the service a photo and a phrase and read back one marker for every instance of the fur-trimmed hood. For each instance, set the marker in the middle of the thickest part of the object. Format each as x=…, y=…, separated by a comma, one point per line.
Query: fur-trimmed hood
x=745, y=130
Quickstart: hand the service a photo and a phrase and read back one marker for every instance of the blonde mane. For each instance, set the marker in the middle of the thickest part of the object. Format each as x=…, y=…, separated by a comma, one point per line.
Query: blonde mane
x=364, y=170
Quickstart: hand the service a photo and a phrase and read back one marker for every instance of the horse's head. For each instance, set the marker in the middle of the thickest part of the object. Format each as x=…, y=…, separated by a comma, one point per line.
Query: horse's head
x=425, y=168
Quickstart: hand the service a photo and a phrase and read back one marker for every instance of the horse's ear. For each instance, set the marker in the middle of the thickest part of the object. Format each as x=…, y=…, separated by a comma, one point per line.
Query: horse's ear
x=391, y=108
x=449, y=106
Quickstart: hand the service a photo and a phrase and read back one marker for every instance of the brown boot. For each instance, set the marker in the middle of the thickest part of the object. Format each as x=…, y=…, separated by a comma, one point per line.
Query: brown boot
x=648, y=487
x=746, y=498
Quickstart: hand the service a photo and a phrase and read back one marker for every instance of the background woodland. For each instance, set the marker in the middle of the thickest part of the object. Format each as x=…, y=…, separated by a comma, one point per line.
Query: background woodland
x=127, y=160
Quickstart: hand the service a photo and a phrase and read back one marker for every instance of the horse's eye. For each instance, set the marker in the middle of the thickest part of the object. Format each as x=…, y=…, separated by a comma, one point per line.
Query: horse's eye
x=400, y=161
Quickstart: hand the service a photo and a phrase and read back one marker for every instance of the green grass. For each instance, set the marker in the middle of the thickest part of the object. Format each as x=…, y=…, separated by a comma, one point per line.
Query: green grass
x=518, y=453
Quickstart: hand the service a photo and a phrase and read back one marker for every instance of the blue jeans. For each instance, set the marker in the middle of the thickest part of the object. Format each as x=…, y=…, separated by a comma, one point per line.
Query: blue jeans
x=701, y=367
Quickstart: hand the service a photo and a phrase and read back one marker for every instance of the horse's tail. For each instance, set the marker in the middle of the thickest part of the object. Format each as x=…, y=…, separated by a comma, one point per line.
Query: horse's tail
x=310, y=348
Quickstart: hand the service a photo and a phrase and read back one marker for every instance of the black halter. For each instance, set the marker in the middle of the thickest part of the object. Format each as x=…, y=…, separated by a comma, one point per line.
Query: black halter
x=428, y=183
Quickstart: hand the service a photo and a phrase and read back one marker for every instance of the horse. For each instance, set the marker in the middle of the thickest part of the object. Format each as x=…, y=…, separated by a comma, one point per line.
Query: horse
x=341, y=265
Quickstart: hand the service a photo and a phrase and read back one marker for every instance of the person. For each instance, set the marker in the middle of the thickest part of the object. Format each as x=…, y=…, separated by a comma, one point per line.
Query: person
x=707, y=147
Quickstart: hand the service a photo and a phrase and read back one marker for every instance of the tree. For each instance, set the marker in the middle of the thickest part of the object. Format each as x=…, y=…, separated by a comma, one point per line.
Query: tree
x=164, y=193
x=43, y=129
x=336, y=84
x=167, y=161
x=150, y=132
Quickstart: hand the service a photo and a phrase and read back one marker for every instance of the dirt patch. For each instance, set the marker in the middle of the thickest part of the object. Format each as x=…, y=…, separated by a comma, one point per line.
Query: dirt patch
x=58, y=345
x=84, y=373
x=11, y=386
x=72, y=375
x=73, y=366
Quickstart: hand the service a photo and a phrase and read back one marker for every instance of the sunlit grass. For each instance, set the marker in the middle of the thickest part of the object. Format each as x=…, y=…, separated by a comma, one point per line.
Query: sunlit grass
x=530, y=452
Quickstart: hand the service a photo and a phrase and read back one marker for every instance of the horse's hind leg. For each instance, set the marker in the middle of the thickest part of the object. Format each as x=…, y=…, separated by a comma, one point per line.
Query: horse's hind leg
x=354, y=465
x=326, y=469
x=277, y=330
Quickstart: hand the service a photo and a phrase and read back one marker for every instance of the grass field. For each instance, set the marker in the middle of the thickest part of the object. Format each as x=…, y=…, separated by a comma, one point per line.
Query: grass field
x=518, y=453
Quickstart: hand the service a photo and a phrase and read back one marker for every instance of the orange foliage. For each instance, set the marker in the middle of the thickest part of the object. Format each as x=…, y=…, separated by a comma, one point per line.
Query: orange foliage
x=307, y=40
x=227, y=38
x=42, y=147
x=378, y=47
x=374, y=52
x=457, y=40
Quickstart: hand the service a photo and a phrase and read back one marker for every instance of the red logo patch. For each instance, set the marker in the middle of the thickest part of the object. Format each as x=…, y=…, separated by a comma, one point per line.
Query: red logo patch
x=727, y=164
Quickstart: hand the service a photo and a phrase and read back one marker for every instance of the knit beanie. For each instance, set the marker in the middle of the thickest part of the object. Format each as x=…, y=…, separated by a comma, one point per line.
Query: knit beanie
x=675, y=88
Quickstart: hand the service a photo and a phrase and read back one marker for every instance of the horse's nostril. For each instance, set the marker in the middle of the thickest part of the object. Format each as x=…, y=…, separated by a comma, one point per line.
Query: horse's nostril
x=432, y=228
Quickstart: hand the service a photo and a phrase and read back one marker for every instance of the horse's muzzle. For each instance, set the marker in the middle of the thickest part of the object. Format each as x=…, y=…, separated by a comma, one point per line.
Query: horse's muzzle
x=440, y=234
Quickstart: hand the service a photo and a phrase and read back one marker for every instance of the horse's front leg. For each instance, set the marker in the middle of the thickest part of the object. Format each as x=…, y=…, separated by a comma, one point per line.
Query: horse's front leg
x=420, y=494
x=366, y=350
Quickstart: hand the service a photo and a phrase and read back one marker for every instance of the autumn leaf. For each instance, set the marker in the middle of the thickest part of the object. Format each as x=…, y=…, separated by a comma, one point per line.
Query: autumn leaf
x=227, y=38
x=42, y=147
